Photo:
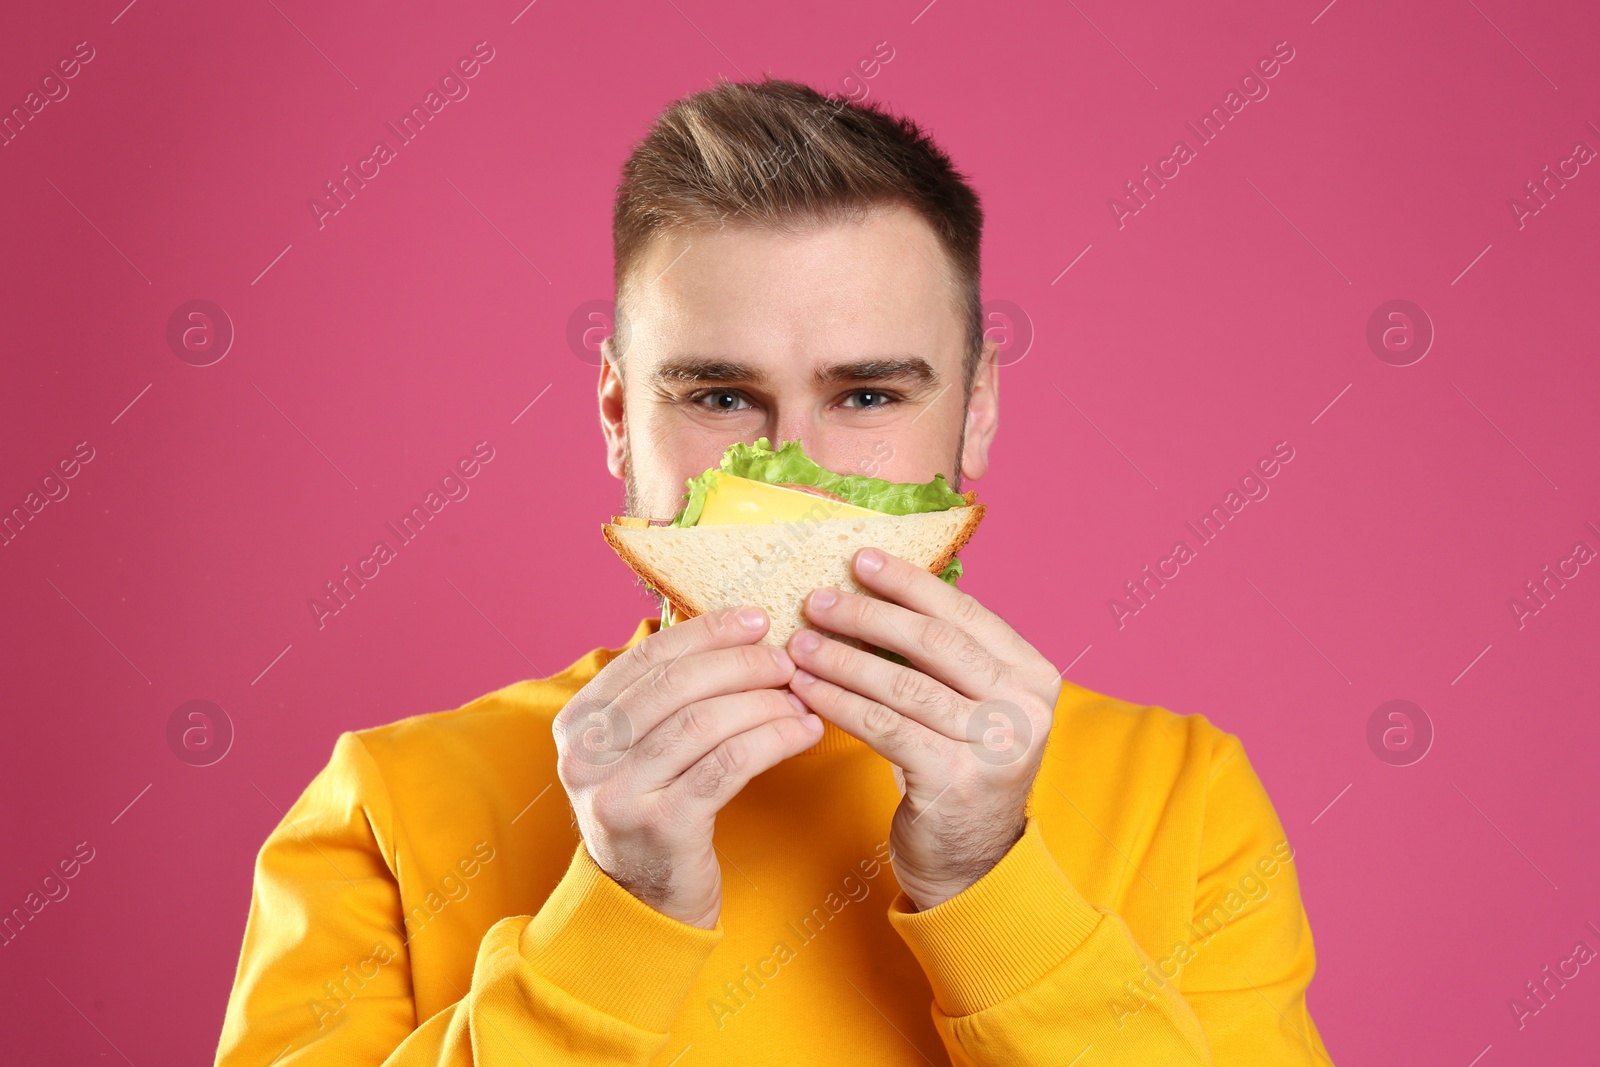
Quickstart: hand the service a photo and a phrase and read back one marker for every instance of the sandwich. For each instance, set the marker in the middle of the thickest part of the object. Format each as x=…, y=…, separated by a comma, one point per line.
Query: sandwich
x=766, y=526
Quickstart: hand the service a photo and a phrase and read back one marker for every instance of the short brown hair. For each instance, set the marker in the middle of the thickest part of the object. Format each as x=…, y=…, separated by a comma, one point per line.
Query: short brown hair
x=779, y=154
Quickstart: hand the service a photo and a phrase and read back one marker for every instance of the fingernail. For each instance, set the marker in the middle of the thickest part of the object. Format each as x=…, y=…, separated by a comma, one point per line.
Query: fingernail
x=823, y=599
x=781, y=658
x=751, y=618
x=799, y=705
x=802, y=678
x=807, y=640
x=870, y=561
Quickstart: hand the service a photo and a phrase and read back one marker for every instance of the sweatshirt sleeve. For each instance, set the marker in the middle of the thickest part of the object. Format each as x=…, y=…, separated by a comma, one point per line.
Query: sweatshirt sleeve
x=1025, y=970
x=569, y=984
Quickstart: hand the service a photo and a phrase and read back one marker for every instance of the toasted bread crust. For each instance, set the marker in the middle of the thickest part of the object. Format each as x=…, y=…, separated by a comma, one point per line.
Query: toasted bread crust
x=673, y=596
x=961, y=539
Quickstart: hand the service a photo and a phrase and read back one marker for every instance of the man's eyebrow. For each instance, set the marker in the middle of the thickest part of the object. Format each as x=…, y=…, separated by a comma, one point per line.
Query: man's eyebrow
x=910, y=369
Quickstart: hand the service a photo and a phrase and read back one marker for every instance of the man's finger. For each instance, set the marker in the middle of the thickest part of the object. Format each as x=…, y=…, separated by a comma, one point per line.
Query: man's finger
x=659, y=651
x=927, y=594
x=904, y=691
x=938, y=648
x=663, y=690
x=899, y=739
x=687, y=735
x=717, y=777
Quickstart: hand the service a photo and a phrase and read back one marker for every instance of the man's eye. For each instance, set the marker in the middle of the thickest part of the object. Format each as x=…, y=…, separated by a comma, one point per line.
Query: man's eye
x=873, y=398
x=720, y=400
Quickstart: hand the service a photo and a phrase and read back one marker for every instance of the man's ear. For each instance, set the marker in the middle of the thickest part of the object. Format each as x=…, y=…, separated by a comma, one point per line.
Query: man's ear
x=612, y=423
x=983, y=414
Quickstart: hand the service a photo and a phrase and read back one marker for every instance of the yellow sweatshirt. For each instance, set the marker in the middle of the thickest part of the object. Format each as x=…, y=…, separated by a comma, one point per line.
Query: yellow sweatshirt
x=427, y=901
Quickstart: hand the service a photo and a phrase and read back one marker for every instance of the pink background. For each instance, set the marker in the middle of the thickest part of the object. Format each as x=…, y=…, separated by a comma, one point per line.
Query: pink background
x=425, y=316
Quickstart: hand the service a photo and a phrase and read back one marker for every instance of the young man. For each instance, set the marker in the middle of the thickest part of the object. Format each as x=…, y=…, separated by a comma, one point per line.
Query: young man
x=785, y=856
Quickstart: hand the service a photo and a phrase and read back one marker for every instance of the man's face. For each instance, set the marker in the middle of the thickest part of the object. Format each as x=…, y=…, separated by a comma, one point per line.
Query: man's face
x=844, y=336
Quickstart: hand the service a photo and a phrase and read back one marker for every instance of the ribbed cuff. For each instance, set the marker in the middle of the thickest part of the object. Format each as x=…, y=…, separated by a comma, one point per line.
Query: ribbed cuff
x=612, y=951
x=1001, y=934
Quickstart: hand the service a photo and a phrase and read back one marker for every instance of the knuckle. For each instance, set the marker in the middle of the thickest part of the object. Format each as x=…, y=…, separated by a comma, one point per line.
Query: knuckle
x=930, y=698
x=941, y=639
x=694, y=722
x=967, y=609
x=731, y=757
x=974, y=655
x=648, y=654
x=610, y=809
x=749, y=659
x=563, y=718
x=777, y=704
x=658, y=741
x=833, y=652
x=665, y=681
x=723, y=624
x=711, y=773
x=789, y=730
x=971, y=652
x=955, y=644
x=571, y=768
x=908, y=687
x=564, y=773
x=881, y=721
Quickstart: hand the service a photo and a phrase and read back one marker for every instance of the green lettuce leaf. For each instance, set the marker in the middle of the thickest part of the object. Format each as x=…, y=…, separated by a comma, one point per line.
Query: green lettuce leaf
x=790, y=465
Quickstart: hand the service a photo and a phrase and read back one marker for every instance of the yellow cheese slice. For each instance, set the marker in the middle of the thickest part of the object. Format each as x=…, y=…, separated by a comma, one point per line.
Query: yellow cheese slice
x=732, y=499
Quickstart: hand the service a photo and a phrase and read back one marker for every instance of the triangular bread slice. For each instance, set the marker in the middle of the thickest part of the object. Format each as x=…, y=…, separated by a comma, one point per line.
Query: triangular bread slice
x=776, y=565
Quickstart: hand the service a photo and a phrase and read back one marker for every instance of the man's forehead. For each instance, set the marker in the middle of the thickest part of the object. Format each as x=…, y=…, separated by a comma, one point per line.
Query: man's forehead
x=740, y=304
x=890, y=252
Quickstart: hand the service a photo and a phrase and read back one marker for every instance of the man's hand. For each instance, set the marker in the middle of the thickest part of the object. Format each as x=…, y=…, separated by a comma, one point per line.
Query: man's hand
x=665, y=735
x=965, y=725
